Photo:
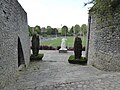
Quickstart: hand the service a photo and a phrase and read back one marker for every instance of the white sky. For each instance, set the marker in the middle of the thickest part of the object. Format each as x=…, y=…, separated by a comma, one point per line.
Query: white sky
x=55, y=12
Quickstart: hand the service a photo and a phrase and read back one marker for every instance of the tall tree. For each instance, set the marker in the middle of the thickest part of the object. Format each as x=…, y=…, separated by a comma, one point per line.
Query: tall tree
x=37, y=29
x=84, y=28
x=49, y=30
x=77, y=29
x=64, y=30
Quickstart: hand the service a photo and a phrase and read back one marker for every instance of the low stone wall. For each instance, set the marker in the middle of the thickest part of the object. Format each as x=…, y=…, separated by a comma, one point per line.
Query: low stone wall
x=13, y=25
x=104, y=43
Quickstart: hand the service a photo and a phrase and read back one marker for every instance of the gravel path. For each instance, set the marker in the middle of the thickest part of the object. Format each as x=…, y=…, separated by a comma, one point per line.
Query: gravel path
x=55, y=73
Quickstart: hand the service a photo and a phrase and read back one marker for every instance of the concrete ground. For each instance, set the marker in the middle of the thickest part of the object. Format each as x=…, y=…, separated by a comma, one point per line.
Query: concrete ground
x=55, y=73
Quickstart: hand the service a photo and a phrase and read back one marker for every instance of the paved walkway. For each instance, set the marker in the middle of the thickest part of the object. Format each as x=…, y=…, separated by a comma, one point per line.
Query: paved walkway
x=55, y=73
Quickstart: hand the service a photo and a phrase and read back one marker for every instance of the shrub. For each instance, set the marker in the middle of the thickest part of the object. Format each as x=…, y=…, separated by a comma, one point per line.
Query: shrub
x=72, y=57
x=45, y=47
x=81, y=61
x=38, y=57
x=78, y=47
x=40, y=47
x=35, y=44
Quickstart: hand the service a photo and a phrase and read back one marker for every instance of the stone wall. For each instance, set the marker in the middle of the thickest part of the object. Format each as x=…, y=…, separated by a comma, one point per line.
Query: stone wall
x=104, y=43
x=13, y=25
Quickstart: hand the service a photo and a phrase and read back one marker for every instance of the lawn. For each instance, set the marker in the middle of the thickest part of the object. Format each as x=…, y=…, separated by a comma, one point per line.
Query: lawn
x=57, y=42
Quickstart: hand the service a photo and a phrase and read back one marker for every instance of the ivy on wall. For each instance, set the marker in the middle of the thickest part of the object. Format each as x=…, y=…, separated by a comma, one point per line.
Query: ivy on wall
x=105, y=9
x=102, y=6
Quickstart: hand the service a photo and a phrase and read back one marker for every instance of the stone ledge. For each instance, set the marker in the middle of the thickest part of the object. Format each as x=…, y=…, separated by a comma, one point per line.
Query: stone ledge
x=62, y=51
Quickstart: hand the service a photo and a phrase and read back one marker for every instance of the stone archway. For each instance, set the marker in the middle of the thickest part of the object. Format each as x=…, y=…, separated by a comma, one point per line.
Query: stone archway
x=21, y=59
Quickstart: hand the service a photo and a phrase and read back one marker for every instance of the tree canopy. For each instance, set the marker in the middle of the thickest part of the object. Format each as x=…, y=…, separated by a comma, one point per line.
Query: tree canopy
x=37, y=29
x=49, y=30
x=64, y=30
x=76, y=29
x=84, y=29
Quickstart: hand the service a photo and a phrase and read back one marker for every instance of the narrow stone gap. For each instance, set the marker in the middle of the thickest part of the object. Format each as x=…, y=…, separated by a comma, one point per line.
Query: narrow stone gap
x=21, y=59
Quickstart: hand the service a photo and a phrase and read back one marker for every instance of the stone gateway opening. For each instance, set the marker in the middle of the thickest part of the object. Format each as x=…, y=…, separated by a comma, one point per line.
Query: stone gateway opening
x=20, y=53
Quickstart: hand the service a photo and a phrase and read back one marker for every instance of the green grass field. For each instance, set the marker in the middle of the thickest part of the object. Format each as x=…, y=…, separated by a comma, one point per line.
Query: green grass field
x=57, y=42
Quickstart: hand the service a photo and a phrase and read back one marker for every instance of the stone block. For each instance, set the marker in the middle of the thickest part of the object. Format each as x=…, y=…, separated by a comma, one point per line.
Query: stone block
x=62, y=51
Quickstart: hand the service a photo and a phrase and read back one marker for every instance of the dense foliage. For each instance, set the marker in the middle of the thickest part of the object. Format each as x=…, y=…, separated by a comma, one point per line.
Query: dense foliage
x=102, y=6
x=64, y=31
x=52, y=31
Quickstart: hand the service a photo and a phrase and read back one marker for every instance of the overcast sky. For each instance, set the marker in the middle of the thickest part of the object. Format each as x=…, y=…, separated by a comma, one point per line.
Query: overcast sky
x=55, y=12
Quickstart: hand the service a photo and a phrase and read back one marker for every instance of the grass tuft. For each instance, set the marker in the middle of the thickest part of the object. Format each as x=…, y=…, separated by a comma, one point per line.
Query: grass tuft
x=38, y=57
x=81, y=61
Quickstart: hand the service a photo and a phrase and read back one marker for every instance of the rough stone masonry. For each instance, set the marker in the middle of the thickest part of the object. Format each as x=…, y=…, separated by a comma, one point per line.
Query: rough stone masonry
x=104, y=41
x=14, y=40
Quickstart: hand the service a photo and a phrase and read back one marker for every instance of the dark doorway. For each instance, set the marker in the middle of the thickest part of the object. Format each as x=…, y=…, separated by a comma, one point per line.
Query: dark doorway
x=20, y=53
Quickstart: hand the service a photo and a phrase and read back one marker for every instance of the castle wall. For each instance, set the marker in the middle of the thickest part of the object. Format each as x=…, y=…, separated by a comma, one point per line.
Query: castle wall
x=104, y=43
x=13, y=24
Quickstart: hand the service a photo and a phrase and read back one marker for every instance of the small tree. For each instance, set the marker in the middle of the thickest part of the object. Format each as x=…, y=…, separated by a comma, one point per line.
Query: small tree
x=78, y=47
x=49, y=30
x=64, y=30
x=35, y=44
x=37, y=29
x=77, y=29
x=84, y=29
